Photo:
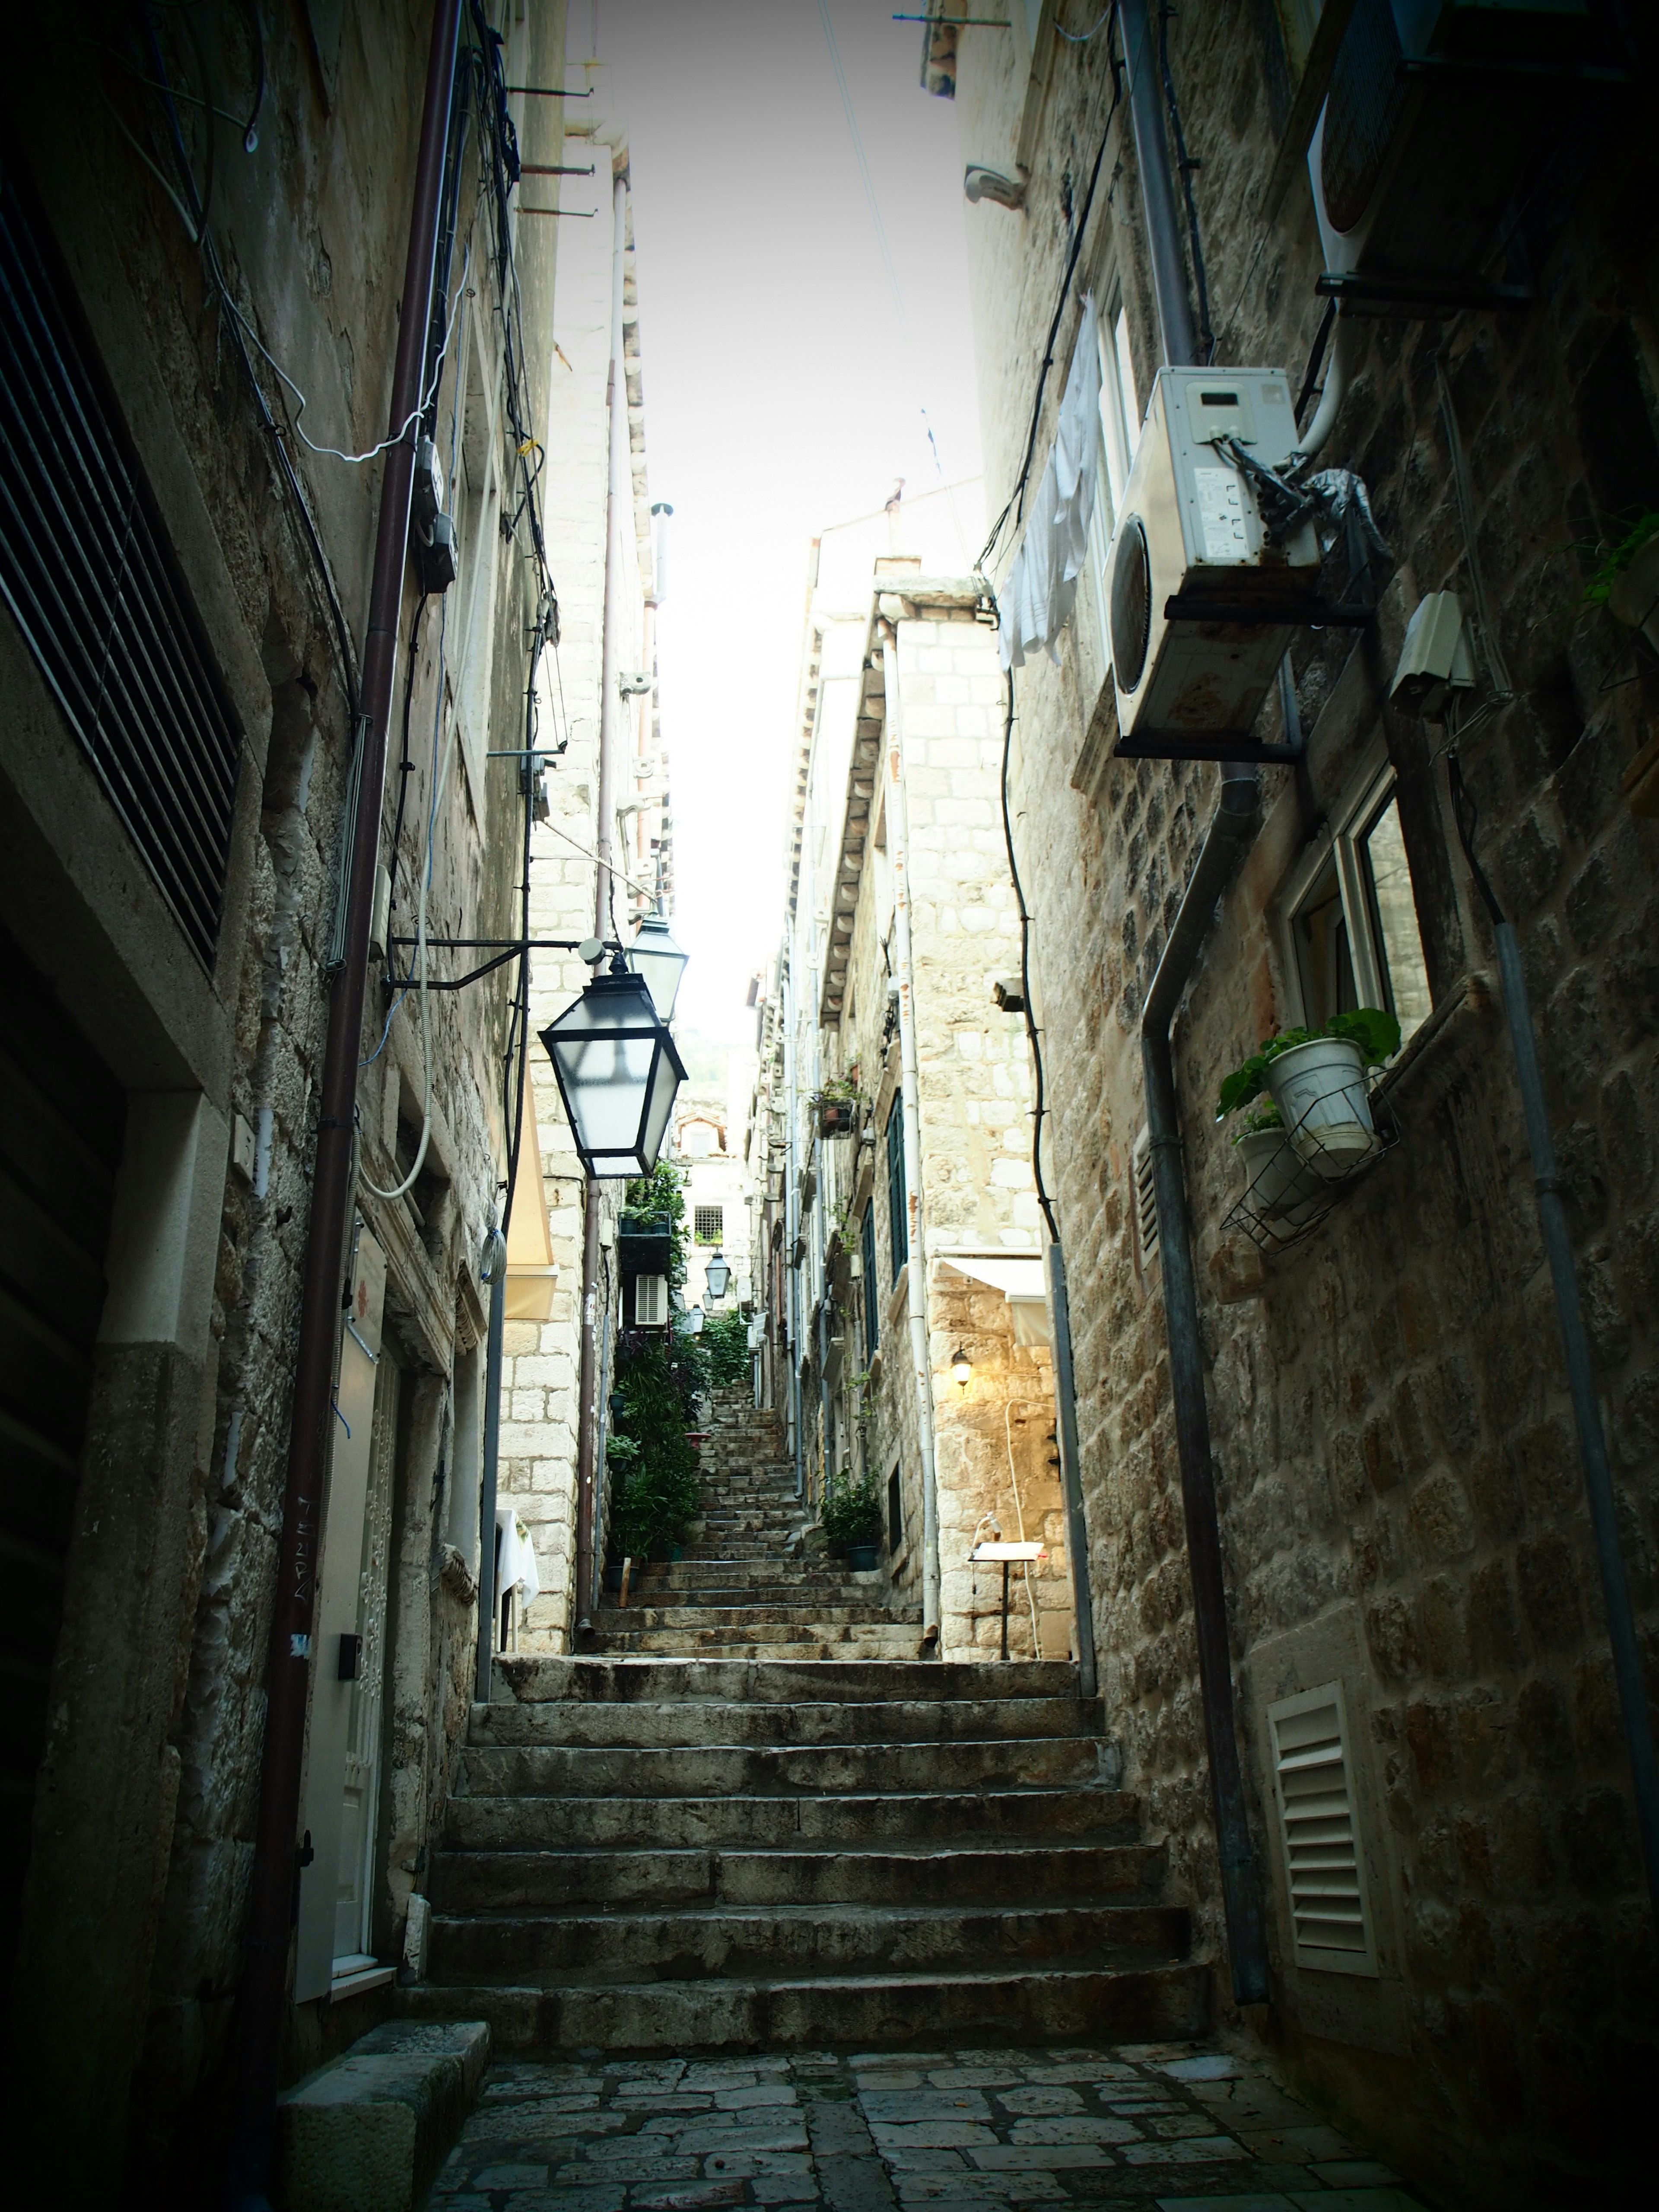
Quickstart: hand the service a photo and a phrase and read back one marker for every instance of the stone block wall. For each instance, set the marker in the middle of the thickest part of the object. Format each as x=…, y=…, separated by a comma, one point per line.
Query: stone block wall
x=1402, y=1504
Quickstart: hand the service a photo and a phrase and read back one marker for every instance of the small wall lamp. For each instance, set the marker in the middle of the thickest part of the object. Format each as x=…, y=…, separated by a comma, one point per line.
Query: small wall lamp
x=962, y=1368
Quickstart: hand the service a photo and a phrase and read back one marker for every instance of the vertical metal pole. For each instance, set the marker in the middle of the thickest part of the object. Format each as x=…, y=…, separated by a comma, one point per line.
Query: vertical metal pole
x=1587, y=1411
x=1177, y=342
x=1070, y=1476
x=492, y=1445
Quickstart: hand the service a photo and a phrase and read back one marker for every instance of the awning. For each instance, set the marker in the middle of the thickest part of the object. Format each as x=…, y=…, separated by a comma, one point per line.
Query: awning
x=1020, y=1281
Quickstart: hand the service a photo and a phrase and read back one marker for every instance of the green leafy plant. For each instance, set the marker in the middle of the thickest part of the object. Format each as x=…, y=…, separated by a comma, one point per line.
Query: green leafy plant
x=662, y=1193
x=1264, y=1115
x=851, y=1513
x=1376, y=1033
x=1597, y=592
x=725, y=1340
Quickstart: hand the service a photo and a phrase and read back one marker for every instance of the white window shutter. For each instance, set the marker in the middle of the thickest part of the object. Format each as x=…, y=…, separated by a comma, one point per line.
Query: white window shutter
x=650, y=1301
x=1319, y=1833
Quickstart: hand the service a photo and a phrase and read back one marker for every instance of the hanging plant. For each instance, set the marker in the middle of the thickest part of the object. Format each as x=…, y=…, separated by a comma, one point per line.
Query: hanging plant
x=1375, y=1034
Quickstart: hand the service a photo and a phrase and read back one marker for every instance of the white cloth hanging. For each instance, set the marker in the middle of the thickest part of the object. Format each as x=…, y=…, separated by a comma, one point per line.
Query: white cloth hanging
x=515, y=1557
x=1041, y=588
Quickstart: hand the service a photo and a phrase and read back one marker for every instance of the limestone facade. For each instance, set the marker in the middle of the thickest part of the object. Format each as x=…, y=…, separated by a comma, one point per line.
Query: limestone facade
x=1401, y=1503
x=904, y=751
x=125, y=1920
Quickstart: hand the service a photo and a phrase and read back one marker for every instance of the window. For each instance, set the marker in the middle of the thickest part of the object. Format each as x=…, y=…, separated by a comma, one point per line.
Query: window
x=894, y=1511
x=99, y=598
x=1351, y=914
x=898, y=1227
x=1120, y=433
x=708, y=1222
x=867, y=1253
x=650, y=1301
x=1324, y=1867
x=697, y=1140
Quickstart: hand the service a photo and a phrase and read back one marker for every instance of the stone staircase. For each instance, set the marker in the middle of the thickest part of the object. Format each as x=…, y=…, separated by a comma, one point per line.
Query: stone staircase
x=746, y=1587
x=675, y=1854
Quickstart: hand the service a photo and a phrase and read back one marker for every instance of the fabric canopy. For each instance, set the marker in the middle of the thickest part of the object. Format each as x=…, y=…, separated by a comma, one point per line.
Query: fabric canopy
x=1020, y=1281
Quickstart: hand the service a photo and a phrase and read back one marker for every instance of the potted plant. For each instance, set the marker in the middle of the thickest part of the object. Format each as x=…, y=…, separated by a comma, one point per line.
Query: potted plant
x=1316, y=1080
x=1281, y=1190
x=851, y=1516
x=1627, y=582
x=836, y=1107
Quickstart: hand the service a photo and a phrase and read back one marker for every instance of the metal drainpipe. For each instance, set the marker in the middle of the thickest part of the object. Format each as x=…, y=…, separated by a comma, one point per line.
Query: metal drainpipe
x=1233, y=825
x=262, y=1998
x=1177, y=340
x=492, y=1448
x=1586, y=1407
x=618, y=505
x=921, y=1363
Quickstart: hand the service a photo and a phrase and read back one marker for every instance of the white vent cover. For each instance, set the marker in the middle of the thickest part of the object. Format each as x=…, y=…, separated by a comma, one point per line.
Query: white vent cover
x=650, y=1301
x=1319, y=1832
x=1146, y=1199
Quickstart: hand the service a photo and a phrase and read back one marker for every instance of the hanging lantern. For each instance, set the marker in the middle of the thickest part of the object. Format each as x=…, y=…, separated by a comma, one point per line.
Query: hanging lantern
x=655, y=955
x=618, y=1071
x=717, y=1275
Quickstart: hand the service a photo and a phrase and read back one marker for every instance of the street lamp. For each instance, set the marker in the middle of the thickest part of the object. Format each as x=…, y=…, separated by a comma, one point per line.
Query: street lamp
x=717, y=1275
x=655, y=955
x=618, y=1073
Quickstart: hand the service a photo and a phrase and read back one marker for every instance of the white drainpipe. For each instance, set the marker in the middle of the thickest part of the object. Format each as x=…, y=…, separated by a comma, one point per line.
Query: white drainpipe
x=916, y=1299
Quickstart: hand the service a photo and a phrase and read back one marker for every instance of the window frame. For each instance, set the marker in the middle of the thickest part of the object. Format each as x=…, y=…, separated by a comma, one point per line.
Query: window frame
x=871, y=1299
x=1365, y=800
x=699, y=1236
x=898, y=1224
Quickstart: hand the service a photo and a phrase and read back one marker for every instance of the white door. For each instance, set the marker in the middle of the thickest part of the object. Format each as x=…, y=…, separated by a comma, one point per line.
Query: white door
x=338, y=1649
x=355, y=1896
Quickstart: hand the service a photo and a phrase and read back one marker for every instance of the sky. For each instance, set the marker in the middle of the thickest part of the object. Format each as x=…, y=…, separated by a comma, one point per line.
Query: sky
x=783, y=386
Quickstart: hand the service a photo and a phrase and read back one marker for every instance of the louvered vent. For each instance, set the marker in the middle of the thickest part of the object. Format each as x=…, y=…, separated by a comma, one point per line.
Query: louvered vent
x=1324, y=1870
x=91, y=580
x=1145, y=1201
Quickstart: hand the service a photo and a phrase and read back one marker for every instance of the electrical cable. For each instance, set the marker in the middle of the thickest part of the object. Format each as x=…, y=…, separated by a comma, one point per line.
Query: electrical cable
x=1486, y=632
x=1082, y=37
x=1015, y=503
x=1184, y=168
x=1025, y=975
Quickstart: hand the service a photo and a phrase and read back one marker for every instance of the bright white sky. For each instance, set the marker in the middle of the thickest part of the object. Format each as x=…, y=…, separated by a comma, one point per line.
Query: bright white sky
x=779, y=391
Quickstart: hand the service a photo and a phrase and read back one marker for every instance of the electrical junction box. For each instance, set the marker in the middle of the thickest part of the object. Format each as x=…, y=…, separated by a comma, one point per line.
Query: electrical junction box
x=1201, y=603
x=1435, y=111
x=1435, y=659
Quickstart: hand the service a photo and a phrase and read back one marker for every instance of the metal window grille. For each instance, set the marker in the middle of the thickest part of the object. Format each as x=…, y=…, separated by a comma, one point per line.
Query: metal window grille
x=867, y=1253
x=88, y=573
x=898, y=1226
x=1324, y=1868
x=1147, y=1231
x=707, y=1224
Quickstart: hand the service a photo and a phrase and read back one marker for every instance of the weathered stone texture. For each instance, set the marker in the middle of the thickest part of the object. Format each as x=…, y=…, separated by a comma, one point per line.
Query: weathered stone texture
x=1391, y=1432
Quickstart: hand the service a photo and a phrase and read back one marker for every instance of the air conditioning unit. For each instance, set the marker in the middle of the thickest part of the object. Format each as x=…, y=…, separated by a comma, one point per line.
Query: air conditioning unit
x=1202, y=600
x=1435, y=110
x=650, y=1301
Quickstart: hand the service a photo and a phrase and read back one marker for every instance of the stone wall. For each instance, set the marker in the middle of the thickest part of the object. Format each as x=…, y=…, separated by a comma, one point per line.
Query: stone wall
x=1401, y=1500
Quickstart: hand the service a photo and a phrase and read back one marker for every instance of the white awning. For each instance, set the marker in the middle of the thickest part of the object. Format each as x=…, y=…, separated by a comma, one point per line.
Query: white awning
x=1020, y=1281
x=1015, y=1276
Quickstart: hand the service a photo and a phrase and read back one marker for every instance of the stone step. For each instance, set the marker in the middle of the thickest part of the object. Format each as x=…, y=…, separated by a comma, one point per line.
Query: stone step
x=729, y=1942
x=542, y=1881
x=751, y=1620
x=532, y=1677
x=856, y=2012
x=709, y=1721
x=848, y=1645
x=526, y=1823
x=815, y=1771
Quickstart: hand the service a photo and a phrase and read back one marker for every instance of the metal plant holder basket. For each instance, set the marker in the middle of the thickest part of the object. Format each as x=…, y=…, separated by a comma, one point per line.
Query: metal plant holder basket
x=1295, y=1182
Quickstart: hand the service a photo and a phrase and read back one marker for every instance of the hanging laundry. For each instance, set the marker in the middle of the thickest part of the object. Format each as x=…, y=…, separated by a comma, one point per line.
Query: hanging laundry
x=515, y=1557
x=1040, y=590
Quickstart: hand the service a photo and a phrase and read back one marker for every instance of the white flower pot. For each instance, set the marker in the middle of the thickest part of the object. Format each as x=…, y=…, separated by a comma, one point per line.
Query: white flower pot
x=1281, y=1190
x=1320, y=1091
x=1634, y=598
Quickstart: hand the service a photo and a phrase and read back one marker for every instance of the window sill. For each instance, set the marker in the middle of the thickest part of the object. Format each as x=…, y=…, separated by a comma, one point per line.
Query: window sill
x=359, y=1979
x=1460, y=1016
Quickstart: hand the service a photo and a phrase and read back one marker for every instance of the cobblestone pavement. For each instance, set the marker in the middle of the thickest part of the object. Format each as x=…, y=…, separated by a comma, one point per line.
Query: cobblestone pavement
x=1169, y=2124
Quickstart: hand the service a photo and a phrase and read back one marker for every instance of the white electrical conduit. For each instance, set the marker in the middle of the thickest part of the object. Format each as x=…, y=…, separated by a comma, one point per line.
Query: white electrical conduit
x=1344, y=339
x=1019, y=1516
